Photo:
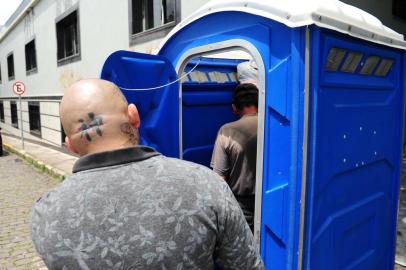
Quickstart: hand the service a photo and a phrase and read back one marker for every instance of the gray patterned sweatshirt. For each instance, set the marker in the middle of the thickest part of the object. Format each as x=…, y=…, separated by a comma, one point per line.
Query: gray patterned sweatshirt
x=136, y=209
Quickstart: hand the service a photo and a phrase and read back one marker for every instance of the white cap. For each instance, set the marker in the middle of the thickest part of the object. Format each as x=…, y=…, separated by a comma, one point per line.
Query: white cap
x=247, y=72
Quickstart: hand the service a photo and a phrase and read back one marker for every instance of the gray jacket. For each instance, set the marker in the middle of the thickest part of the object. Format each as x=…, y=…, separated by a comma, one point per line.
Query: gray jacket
x=136, y=209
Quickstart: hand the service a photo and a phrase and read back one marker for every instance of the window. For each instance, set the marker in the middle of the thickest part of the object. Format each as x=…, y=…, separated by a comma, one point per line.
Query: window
x=10, y=66
x=14, y=117
x=384, y=67
x=370, y=65
x=334, y=58
x=399, y=8
x=67, y=35
x=34, y=117
x=1, y=111
x=199, y=76
x=30, y=57
x=152, y=15
x=351, y=62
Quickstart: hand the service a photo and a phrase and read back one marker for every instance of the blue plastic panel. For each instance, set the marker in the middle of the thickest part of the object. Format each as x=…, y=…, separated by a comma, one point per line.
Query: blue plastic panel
x=158, y=108
x=282, y=51
x=354, y=160
x=206, y=106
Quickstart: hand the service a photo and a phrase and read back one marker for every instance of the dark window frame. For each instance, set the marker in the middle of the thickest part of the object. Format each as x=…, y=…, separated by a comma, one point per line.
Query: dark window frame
x=31, y=63
x=385, y=67
x=76, y=56
x=1, y=77
x=370, y=64
x=335, y=58
x=380, y=68
x=352, y=61
x=398, y=10
x=14, y=123
x=35, y=123
x=153, y=33
x=2, y=118
x=10, y=76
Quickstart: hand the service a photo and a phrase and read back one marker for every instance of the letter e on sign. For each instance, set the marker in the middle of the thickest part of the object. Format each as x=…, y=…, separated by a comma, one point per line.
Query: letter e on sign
x=18, y=88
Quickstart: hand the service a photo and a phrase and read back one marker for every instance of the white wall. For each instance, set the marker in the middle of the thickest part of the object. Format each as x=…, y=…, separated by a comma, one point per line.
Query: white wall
x=50, y=122
x=188, y=7
x=103, y=29
x=7, y=113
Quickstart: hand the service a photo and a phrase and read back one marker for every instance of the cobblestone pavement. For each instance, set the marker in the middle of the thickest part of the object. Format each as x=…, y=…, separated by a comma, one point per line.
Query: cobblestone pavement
x=20, y=186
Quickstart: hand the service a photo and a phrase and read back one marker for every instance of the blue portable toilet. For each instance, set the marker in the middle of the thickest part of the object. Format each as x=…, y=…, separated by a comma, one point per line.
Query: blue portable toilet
x=331, y=80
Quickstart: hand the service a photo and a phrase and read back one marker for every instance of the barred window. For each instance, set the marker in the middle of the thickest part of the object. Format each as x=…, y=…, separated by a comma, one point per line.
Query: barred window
x=1, y=111
x=10, y=66
x=14, y=114
x=148, y=14
x=30, y=57
x=152, y=19
x=34, y=117
x=67, y=34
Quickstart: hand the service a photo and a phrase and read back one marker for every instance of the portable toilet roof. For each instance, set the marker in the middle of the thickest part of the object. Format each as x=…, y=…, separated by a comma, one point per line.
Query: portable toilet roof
x=330, y=14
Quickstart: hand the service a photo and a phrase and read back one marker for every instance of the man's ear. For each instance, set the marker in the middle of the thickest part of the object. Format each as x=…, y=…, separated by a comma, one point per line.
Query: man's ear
x=70, y=145
x=134, y=116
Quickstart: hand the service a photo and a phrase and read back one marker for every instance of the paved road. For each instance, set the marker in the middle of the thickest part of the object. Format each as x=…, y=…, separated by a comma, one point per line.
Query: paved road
x=20, y=186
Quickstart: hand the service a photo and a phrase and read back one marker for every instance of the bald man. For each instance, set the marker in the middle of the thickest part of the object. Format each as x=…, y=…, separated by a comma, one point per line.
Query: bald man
x=128, y=207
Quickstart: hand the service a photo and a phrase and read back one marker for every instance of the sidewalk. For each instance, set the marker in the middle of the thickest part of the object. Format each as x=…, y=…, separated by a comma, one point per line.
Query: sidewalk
x=52, y=161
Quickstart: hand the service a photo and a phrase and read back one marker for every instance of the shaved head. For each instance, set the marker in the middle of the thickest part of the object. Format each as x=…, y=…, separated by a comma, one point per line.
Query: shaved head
x=96, y=117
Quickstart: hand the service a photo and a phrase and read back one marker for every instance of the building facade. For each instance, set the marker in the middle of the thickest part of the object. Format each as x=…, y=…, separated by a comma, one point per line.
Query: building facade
x=50, y=44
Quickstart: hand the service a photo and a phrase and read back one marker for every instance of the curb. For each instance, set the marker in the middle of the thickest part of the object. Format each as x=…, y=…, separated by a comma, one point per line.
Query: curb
x=51, y=171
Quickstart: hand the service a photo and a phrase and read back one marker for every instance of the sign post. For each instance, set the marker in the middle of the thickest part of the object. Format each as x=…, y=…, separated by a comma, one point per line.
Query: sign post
x=19, y=90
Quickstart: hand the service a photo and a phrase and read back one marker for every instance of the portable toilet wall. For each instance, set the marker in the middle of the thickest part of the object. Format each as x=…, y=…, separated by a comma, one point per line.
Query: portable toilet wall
x=331, y=81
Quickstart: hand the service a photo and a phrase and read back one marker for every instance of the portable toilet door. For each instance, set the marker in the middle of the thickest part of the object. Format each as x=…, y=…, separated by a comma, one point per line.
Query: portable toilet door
x=331, y=80
x=355, y=142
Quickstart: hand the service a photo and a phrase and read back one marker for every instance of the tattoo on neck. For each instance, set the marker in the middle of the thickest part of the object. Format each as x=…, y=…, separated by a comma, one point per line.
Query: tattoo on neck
x=131, y=132
x=93, y=123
